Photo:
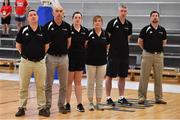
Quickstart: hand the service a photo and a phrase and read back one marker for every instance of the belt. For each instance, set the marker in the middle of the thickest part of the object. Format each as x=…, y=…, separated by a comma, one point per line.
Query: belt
x=30, y=59
x=154, y=52
x=57, y=55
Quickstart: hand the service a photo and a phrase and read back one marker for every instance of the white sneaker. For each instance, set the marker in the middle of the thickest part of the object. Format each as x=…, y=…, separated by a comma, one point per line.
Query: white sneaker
x=91, y=107
x=99, y=106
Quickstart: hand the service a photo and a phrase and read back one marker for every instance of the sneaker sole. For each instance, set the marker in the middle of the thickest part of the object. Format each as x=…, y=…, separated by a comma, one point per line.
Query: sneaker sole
x=91, y=109
x=44, y=115
x=20, y=115
x=80, y=110
x=113, y=104
x=100, y=109
x=68, y=110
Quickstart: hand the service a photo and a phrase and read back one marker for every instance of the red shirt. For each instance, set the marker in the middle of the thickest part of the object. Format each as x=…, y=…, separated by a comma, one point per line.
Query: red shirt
x=20, y=7
x=6, y=9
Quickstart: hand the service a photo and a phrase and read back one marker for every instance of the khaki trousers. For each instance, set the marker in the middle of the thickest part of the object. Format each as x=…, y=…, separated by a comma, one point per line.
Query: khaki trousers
x=150, y=61
x=61, y=63
x=95, y=74
x=26, y=68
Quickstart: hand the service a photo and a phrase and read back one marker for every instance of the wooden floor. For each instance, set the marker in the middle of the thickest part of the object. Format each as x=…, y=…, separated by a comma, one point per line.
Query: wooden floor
x=9, y=104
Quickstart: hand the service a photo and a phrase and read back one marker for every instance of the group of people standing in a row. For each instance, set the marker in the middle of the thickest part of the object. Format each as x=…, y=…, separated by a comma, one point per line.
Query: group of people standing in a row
x=69, y=48
x=20, y=6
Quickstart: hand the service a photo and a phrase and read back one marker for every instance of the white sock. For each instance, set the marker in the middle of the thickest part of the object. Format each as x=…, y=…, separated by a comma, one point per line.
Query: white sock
x=121, y=97
x=108, y=97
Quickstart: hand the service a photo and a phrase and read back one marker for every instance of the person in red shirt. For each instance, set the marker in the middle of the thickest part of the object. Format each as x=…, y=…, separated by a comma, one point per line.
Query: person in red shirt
x=5, y=11
x=21, y=7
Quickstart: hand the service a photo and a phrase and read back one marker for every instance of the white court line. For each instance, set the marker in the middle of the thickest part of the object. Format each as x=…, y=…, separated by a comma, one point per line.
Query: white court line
x=129, y=85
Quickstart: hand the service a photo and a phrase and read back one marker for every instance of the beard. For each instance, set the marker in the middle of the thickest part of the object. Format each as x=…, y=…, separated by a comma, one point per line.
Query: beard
x=155, y=21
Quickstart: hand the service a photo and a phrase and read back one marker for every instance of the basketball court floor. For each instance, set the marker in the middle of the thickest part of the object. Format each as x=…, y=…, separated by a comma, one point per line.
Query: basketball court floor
x=9, y=86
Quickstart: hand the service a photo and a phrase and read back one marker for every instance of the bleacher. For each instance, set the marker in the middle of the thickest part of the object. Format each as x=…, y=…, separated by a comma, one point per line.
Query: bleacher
x=138, y=14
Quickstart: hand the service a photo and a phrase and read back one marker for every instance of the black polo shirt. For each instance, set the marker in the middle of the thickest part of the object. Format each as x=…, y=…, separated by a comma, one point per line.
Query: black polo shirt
x=78, y=39
x=33, y=42
x=119, y=38
x=153, y=38
x=58, y=36
x=97, y=48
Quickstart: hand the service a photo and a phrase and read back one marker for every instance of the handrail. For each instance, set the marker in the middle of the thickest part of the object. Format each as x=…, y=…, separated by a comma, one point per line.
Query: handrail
x=13, y=49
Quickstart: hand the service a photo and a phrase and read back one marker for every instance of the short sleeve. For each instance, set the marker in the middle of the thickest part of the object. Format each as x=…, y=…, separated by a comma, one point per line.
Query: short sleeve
x=69, y=31
x=19, y=37
x=130, y=29
x=46, y=40
x=109, y=27
x=164, y=34
x=46, y=34
x=26, y=3
x=142, y=34
x=87, y=33
x=107, y=38
x=10, y=9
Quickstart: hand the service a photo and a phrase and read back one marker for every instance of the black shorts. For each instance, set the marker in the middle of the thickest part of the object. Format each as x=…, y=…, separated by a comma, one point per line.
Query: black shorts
x=7, y=20
x=76, y=65
x=20, y=18
x=117, y=67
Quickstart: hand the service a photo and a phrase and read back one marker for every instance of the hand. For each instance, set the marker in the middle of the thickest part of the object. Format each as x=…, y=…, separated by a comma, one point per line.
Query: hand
x=3, y=17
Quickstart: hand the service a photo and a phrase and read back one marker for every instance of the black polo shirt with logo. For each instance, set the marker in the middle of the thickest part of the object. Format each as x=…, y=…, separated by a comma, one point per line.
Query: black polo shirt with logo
x=153, y=38
x=119, y=47
x=58, y=36
x=97, y=48
x=78, y=39
x=33, y=42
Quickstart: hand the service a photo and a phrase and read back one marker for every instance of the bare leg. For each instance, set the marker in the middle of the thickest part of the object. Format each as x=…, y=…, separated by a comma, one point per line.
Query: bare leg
x=69, y=87
x=78, y=87
x=121, y=86
x=108, y=85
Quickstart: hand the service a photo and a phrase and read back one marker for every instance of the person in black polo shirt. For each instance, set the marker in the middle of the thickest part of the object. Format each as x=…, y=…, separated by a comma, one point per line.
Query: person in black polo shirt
x=152, y=38
x=119, y=30
x=76, y=60
x=59, y=33
x=32, y=46
x=96, y=61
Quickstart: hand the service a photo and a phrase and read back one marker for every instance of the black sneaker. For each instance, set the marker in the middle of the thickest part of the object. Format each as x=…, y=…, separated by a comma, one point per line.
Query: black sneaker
x=80, y=108
x=44, y=112
x=124, y=101
x=48, y=110
x=20, y=112
x=110, y=102
x=68, y=107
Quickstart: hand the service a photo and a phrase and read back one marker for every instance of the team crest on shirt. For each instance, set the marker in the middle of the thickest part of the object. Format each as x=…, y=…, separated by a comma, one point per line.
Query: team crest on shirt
x=39, y=35
x=83, y=33
x=150, y=32
x=26, y=34
x=126, y=28
x=64, y=29
x=72, y=32
x=93, y=37
x=117, y=26
x=52, y=29
x=161, y=33
x=104, y=38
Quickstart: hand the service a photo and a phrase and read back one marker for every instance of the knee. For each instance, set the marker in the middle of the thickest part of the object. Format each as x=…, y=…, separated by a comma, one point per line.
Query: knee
x=90, y=82
x=77, y=83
